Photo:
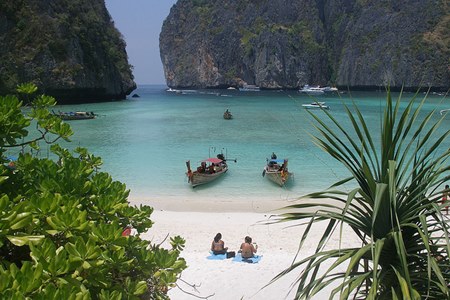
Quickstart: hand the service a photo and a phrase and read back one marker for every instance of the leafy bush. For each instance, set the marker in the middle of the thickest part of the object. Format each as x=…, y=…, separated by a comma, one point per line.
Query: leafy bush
x=61, y=220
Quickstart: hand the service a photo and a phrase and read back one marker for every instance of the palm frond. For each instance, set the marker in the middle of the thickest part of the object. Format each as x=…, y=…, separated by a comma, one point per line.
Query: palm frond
x=393, y=211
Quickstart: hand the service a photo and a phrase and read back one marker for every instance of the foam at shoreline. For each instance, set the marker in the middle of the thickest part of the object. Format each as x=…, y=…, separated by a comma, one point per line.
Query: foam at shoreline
x=221, y=204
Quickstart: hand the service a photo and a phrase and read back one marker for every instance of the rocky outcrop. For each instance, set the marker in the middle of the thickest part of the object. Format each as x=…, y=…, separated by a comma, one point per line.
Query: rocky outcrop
x=69, y=48
x=287, y=44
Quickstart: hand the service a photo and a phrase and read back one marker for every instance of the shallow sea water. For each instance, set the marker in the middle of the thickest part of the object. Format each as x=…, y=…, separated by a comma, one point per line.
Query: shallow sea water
x=145, y=142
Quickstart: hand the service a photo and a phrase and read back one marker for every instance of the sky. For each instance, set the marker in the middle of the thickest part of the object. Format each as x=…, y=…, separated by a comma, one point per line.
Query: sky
x=140, y=23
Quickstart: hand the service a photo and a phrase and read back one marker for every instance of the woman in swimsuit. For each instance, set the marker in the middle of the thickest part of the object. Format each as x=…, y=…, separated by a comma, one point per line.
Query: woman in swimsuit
x=247, y=249
x=218, y=246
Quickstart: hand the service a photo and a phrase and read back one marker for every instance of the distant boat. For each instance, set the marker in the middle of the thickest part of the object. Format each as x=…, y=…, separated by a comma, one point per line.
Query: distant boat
x=227, y=115
x=249, y=88
x=328, y=89
x=316, y=105
x=78, y=115
x=209, y=170
x=317, y=90
x=276, y=170
x=183, y=92
x=312, y=90
x=444, y=111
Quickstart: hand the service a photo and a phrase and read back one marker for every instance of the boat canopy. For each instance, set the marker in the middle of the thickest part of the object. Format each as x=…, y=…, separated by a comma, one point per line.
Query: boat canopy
x=277, y=160
x=212, y=160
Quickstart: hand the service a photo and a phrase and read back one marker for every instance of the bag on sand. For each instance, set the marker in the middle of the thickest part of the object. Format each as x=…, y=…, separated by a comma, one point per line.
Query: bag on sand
x=231, y=254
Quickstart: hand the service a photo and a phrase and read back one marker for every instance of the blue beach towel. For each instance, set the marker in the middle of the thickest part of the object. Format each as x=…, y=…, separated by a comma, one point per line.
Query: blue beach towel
x=216, y=257
x=254, y=260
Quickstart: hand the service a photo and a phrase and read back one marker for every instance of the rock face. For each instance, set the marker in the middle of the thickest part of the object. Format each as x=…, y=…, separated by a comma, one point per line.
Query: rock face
x=289, y=43
x=69, y=48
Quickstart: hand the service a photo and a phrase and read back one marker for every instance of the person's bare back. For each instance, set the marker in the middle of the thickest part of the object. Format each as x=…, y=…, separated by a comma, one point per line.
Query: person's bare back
x=247, y=249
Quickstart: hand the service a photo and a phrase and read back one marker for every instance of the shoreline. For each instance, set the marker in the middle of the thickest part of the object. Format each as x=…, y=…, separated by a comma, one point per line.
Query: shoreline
x=197, y=221
x=214, y=206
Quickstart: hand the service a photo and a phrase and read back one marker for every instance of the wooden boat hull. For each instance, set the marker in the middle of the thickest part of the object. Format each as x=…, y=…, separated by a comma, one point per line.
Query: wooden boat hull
x=227, y=116
x=276, y=173
x=209, y=170
x=278, y=177
x=70, y=118
x=79, y=115
x=196, y=178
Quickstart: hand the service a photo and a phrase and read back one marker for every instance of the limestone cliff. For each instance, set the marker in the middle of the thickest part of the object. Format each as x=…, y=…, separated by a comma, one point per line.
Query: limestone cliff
x=69, y=48
x=289, y=43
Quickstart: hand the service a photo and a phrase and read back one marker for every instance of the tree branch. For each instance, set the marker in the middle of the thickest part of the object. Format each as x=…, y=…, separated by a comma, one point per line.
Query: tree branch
x=194, y=286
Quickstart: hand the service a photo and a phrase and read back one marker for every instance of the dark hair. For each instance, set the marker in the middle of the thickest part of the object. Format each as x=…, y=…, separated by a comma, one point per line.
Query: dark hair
x=248, y=239
x=217, y=237
x=446, y=186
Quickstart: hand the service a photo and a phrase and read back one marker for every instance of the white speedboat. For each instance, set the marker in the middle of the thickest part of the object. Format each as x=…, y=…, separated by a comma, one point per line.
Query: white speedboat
x=312, y=90
x=329, y=89
x=317, y=90
x=316, y=105
x=249, y=88
x=444, y=111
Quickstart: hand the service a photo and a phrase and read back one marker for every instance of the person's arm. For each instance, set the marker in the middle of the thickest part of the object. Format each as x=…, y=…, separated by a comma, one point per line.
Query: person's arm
x=254, y=249
x=212, y=246
x=223, y=246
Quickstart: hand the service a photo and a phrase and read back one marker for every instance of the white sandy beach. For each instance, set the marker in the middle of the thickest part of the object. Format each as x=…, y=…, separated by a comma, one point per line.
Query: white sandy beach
x=198, y=223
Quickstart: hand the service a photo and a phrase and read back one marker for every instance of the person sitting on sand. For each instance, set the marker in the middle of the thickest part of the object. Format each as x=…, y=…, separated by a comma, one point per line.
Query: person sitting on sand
x=247, y=249
x=218, y=246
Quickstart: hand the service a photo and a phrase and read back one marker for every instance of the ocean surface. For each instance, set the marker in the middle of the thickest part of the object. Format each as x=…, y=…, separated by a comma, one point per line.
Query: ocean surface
x=145, y=142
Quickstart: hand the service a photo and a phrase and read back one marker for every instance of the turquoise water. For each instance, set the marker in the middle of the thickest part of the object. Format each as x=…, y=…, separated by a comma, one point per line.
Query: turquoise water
x=145, y=142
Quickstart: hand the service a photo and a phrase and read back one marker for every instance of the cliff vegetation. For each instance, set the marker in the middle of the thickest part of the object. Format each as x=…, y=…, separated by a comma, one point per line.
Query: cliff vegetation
x=286, y=44
x=69, y=48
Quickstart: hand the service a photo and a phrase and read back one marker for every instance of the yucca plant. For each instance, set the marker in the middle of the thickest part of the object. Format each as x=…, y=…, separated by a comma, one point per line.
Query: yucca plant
x=394, y=209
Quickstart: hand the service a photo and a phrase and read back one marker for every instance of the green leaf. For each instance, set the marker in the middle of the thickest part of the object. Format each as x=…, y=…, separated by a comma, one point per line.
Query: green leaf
x=21, y=220
x=141, y=288
x=25, y=239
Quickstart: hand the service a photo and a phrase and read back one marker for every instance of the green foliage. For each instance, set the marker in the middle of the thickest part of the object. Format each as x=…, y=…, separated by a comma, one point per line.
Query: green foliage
x=199, y=3
x=14, y=125
x=247, y=40
x=231, y=73
x=394, y=210
x=61, y=221
x=303, y=31
x=78, y=36
x=205, y=15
